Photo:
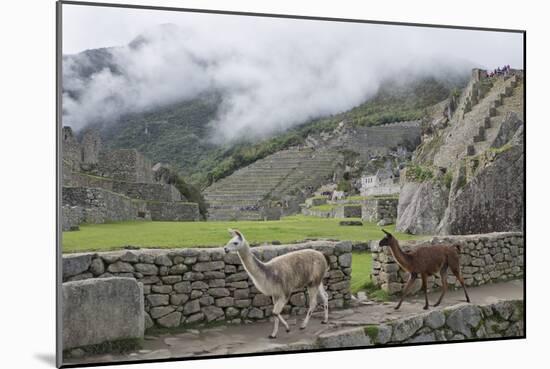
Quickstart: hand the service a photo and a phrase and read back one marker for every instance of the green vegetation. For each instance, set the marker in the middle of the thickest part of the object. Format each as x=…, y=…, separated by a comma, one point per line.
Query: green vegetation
x=419, y=173
x=113, y=236
x=448, y=179
x=371, y=330
x=361, y=268
x=324, y=207
x=192, y=194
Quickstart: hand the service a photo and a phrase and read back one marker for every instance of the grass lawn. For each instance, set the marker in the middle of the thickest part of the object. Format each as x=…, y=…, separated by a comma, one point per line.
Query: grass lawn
x=361, y=267
x=112, y=236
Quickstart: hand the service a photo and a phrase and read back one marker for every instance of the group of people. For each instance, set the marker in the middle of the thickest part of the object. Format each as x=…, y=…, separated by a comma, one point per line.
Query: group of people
x=499, y=71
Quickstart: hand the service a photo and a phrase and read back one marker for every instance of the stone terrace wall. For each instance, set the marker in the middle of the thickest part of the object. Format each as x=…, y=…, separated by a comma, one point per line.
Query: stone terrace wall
x=141, y=191
x=485, y=258
x=185, y=286
x=455, y=323
x=125, y=165
x=373, y=210
x=99, y=206
x=347, y=211
x=174, y=211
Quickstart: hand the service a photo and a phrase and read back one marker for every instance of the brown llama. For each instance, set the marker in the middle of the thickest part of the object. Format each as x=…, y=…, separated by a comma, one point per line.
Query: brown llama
x=426, y=261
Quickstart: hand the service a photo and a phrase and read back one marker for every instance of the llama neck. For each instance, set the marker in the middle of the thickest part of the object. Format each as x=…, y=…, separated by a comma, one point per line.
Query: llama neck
x=402, y=259
x=254, y=267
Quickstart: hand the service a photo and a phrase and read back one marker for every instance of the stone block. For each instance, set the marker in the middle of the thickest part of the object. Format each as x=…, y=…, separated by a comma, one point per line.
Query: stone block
x=120, y=316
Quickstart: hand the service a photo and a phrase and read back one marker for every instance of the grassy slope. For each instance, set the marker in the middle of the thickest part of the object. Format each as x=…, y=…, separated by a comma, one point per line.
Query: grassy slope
x=103, y=237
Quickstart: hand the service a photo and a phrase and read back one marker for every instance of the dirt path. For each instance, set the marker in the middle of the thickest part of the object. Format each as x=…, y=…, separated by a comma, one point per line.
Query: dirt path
x=248, y=338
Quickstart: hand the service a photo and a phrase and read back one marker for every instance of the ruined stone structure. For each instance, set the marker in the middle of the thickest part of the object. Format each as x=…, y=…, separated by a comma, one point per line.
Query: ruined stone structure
x=375, y=209
x=476, y=162
x=484, y=258
x=114, y=185
x=290, y=176
x=186, y=286
x=383, y=182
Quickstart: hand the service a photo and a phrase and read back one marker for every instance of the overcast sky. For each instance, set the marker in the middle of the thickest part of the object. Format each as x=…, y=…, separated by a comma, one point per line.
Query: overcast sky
x=275, y=72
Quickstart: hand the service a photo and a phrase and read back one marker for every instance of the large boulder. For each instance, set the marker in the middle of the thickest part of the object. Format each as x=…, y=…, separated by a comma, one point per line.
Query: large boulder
x=421, y=206
x=492, y=201
x=95, y=311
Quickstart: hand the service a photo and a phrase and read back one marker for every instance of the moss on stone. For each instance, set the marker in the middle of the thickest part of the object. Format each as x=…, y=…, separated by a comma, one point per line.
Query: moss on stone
x=371, y=331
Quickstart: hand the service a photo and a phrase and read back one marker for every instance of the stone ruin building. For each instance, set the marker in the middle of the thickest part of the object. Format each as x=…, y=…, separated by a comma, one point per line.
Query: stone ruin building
x=106, y=185
x=383, y=182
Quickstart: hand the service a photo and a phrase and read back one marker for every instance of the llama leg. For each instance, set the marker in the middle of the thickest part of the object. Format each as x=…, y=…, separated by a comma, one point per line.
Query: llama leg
x=425, y=288
x=458, y=275
x=324, y=299
x=443, y=274
x=312, y=296
x=408, y=286
x=277, y=308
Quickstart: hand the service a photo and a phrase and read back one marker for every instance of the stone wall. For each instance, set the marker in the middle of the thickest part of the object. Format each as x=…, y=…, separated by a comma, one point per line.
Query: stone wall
x=375, y=209
x=186, y=286
x=173, y=211
x=347, y=211
x=455, y=323
x=484, y=258
x=97, y=311
x=100, y=206
x=124, y=165
x=71, y=217
x=139, y=191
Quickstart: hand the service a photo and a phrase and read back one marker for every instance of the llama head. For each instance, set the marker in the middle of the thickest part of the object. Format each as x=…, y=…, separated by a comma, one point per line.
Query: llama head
x=236, y=243
x=387, y=240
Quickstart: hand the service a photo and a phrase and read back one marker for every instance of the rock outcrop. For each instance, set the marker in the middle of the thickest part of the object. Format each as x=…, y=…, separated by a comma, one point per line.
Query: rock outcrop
x=421, y=207
x=471, y=172
x=492, y=201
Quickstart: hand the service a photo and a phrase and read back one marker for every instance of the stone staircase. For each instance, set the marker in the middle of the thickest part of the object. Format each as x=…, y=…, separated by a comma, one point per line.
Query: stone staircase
x=242, y=195
x=481, y=110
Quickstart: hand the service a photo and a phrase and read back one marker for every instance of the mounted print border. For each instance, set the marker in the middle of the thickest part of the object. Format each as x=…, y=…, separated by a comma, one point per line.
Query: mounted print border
x=374, y=193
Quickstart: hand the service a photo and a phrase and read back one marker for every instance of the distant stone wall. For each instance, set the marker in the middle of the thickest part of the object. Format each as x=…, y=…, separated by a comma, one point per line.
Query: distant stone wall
x=374, y=209
x=485, y=258
x=173, y=211
x=71, y=217
x=387, y=189
x=124, y=165
x=185, y=286
x=455, y=323
x=347, y=211
x=99, y=206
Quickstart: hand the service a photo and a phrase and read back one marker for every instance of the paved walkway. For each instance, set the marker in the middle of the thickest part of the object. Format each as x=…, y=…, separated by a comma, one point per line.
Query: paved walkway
x=248, y=338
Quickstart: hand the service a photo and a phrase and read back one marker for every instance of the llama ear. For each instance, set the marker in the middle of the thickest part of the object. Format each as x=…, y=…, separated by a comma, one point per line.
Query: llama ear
x=238, y=234
x=231, y=231
x=387, y=233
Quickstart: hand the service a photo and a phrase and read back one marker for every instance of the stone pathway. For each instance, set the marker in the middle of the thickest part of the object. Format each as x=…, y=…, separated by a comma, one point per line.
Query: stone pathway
x=249, y=338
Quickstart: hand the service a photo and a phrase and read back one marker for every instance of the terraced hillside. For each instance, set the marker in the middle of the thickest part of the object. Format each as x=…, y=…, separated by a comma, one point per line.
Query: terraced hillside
x=483, y=108
x=293, y=172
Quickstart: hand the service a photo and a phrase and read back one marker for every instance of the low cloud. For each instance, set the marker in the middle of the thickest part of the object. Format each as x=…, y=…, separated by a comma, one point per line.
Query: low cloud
x=271, y=73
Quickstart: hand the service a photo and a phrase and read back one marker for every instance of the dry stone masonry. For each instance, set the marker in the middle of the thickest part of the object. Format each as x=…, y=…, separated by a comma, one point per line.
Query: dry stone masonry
x=376, y=209
x=456, y=323
x=485, y=258
x=114, y=185
x=188, y=286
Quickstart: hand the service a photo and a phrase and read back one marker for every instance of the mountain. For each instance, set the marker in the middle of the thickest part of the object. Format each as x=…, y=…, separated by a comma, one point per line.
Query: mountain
x=178, y=131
